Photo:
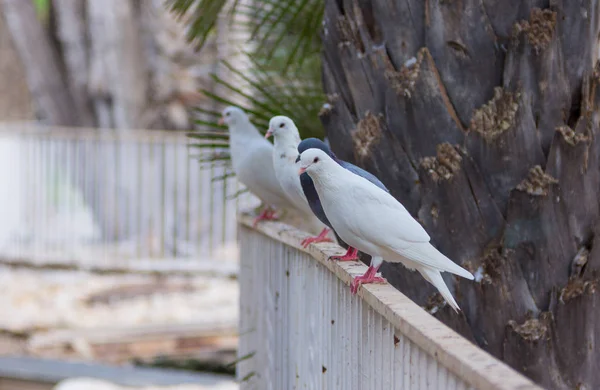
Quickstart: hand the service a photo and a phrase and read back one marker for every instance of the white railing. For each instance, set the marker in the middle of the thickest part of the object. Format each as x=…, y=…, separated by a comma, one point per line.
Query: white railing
x=105, y=196
x=300, y=328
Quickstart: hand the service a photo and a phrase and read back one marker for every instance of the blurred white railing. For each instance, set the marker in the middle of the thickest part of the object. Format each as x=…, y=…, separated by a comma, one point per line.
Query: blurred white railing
x=94, y=196
x=301, y=329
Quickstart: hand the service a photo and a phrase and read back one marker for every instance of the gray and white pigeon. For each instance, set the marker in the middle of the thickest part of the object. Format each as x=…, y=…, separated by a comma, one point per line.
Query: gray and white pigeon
x=252, y=161
x=287, y=138
x=373, y=221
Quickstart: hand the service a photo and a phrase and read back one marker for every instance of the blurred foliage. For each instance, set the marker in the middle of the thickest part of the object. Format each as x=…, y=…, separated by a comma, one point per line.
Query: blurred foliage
x=43, y=9
x=286, y=31
x=267, y=94
x=189, y=364
x=284, y=64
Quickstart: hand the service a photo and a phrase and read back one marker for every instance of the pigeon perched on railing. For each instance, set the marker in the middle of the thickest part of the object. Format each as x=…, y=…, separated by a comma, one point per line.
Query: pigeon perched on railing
x=311, y=193
x=287, y=138
x=252, y=161
x=373, y=221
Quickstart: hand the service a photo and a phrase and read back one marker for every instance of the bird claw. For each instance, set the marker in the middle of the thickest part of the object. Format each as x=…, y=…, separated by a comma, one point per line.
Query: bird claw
x=351, y=255
x=310, y=240
x=368, y=277
x=365, y=280
x=322, y=237
x=344, y=258
x=265, y=215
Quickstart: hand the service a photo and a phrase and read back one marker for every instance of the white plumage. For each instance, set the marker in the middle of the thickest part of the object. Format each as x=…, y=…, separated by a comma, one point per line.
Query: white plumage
x=285, y=152
x=252, y=159
x=373, y=221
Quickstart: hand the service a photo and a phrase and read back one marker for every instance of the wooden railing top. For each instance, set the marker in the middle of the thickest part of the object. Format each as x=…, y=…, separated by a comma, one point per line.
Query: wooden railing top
x=90, y=133
x=453, y=351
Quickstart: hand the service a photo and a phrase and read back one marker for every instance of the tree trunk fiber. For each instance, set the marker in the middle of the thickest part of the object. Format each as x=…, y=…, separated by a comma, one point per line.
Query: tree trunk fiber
x=112, y=64
x=52, y=99
x=482, y=118
x=15, y=100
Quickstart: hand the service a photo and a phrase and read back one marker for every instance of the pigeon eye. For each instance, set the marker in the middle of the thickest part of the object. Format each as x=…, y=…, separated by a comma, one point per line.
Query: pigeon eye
x=227, y=114
x=281, y=125
x=316, y=160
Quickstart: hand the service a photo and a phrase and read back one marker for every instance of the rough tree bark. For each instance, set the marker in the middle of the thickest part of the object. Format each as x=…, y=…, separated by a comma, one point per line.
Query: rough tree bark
x=482, y=118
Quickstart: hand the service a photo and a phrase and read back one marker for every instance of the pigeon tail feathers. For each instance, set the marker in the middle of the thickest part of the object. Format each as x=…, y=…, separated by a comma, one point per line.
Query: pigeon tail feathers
x=428, y=255
x=434, y=277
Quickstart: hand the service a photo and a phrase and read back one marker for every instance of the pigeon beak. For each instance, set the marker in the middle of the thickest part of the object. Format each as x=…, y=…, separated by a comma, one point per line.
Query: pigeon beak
x=221, y=121
x=301, y=171
x=269, y=133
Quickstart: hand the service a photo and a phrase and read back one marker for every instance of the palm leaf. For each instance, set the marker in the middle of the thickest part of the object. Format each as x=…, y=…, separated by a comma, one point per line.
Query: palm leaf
x=266, y=95
x=273, y=24
x=201, y=145
x=237, y=194
x=223, y=177
x=202, y=14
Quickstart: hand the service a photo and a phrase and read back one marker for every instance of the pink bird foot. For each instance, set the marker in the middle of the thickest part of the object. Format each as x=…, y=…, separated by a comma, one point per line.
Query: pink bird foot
x=266, y=215
x=368, y=277
x=322, y=237
x=351, y=254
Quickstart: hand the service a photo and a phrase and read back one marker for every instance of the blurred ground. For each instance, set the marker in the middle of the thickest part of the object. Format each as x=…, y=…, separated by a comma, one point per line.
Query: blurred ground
x=94, y=384
x=25, y=373
x=116, y=317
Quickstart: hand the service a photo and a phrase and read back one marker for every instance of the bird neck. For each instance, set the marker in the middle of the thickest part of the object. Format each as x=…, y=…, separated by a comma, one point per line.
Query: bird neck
x=242, y=132
x=328, y=179
x=288, y=144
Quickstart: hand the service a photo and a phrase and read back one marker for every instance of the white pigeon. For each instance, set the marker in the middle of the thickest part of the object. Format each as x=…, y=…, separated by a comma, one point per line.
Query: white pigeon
x=252, y=161
x=285, y=153
x=373, y=221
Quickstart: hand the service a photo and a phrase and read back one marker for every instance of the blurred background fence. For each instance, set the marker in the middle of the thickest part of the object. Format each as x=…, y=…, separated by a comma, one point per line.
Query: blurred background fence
x=102, y=196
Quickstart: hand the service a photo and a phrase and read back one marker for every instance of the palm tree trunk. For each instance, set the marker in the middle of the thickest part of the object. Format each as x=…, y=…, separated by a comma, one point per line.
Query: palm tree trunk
x=481, y=117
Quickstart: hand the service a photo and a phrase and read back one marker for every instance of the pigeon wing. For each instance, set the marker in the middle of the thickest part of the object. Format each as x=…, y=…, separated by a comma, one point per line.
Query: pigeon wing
x=257, y=173
x=391, y=226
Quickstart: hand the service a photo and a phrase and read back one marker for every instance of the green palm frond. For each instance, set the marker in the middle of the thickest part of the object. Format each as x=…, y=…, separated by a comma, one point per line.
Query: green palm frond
x=42, y=8
x=263, y=95
x=293, y=25
x=201, y=17
x=213, y=159
x=224, y=176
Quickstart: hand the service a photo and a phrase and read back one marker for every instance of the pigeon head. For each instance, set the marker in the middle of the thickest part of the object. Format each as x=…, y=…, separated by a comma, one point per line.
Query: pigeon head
x=313, y=161
x=283, y=128
x=314, y=143
x=232, y=115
